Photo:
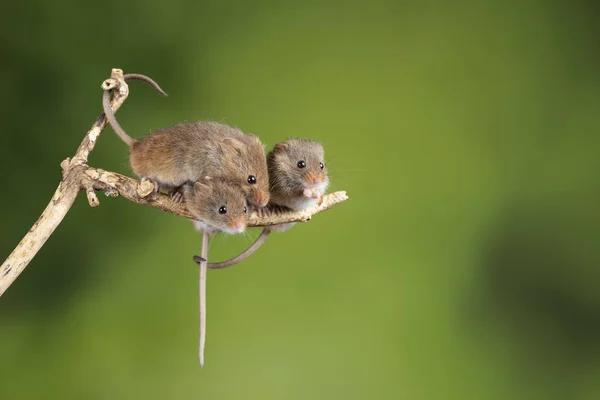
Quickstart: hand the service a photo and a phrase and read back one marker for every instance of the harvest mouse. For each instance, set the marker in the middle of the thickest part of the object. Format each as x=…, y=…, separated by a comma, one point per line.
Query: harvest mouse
x=298, y=179
x=188, y=151
x=217, y=206
x=297, y=172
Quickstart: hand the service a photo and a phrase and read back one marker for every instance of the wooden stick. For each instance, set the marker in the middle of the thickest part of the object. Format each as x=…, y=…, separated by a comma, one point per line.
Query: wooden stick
x=65, y=194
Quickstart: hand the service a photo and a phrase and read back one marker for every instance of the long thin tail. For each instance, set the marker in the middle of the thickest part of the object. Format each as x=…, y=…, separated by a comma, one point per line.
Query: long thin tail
x=146, y=79
x=110, y=115
x=242, y=256
x=202, y=292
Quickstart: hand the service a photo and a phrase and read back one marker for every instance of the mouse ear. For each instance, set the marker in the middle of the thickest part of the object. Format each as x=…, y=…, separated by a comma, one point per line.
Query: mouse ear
x=254, y=138
x=280, y=147
x=233, y=147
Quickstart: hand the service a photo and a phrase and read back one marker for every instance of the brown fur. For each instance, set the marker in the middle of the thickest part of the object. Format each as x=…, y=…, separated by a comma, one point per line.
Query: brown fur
x=289, y=185
x=287, y=180
x=189, y=151
x=205, y=197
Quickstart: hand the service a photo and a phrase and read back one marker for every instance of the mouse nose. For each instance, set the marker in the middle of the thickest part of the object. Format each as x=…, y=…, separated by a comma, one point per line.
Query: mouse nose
x=261, y=199
x=311, y=178
x=238, y=225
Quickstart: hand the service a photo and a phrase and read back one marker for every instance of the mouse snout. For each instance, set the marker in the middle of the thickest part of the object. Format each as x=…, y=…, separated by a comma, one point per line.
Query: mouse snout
x=322, y=178
x=237, y=225
x=259, y=198
x=311, y=178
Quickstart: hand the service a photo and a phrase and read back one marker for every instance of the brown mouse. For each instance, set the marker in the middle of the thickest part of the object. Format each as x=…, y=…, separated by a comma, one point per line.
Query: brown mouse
x=188, y=151
x=217, y=206
x=298, y=178
x=297, y=173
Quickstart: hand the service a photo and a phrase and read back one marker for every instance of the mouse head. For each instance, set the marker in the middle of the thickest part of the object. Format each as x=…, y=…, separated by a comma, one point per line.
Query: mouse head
x=218, y=205
x=297, y=168
x=247, y=162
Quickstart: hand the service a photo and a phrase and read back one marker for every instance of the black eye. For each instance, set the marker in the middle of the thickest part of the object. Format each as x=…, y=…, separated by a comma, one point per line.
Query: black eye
x=245, y=210
x=223, y=210
x=321, y=165
x=301, y=164
x=252, y=179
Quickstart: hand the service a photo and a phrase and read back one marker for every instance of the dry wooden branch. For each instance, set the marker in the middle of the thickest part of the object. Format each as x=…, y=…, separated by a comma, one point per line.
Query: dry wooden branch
x=77, y=176
x=65, y=194
x=114, y=184
x=278, y=215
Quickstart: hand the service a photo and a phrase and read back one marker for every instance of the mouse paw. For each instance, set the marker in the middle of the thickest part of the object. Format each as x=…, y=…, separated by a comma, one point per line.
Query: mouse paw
x=177, y=194
x=311, y=193
x=177, y=197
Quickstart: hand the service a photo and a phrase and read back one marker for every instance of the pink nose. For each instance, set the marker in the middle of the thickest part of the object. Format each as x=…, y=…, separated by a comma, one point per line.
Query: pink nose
x=238, y=226
x=261, y=200
x=311, y=178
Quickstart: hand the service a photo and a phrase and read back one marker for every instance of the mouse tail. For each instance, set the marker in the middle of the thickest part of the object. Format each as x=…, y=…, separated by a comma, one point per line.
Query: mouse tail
x=110, y=114
x=260, y=240
x=146, y=79
x=112, y=120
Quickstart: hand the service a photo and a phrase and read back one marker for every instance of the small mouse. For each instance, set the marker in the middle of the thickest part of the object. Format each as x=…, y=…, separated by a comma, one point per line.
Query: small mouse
x=217, y=205
x=298, y=178
x=297, y=173
x=185, y=152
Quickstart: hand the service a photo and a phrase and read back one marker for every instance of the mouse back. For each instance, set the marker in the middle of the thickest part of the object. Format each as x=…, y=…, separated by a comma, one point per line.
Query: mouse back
x=239, y=157
x=189, y=151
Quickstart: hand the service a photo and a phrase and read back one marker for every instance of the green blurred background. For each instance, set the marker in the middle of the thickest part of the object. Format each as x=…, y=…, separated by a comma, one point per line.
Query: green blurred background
x=465, y=264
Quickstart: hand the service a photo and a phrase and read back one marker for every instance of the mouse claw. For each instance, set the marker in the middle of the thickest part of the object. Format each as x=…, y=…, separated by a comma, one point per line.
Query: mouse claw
x=198, y=259
x=176, y=197
x=177, y=194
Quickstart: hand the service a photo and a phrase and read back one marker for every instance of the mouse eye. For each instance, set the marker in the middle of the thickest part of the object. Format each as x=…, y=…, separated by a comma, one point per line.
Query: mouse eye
x=252, y=179
x=223, y=210
x=245, y=210
x=301, y=164
x=321, y=165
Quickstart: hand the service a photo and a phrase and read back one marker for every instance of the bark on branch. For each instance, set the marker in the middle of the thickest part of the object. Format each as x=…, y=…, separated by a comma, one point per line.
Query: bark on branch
x=114, y=184
x=78, y=176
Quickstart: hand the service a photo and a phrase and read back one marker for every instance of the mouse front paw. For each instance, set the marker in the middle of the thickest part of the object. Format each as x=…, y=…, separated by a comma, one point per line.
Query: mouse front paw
x=177, y=194
x=311, y=193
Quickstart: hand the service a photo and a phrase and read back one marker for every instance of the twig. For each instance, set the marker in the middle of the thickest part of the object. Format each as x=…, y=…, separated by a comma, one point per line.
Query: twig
x=275, y=216
x=65, y=194
x=114, y=184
